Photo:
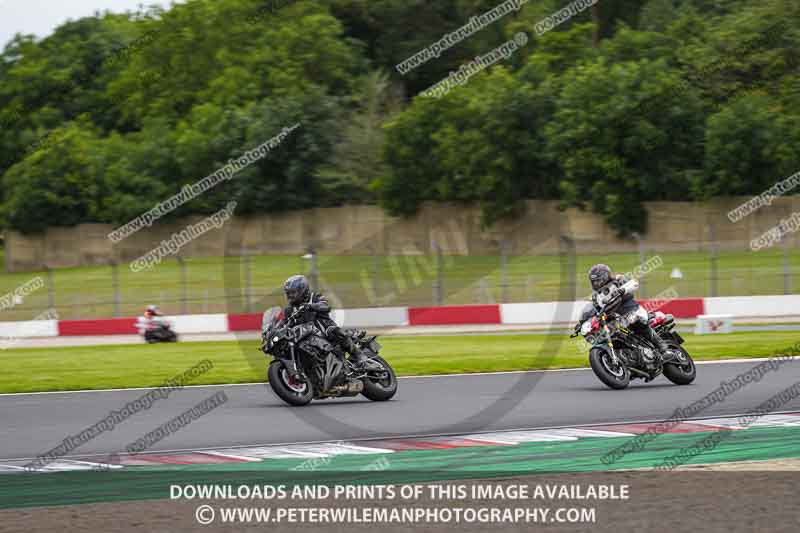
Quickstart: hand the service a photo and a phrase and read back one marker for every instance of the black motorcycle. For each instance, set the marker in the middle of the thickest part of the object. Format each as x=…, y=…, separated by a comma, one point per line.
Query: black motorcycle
x=157, y=331
x=618, y=354
x=307, y=366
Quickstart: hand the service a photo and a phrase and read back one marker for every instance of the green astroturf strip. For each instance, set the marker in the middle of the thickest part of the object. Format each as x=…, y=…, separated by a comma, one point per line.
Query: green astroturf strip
x=583, y=455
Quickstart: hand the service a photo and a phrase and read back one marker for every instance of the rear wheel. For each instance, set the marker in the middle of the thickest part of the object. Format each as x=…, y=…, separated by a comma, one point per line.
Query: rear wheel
x=380, y=389
x=615, y=375
x=681, y=373
x=289, y=389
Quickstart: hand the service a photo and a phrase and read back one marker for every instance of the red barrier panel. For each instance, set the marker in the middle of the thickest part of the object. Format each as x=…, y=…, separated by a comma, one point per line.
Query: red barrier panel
x=105, y=326
x=680, y=308
x=453, y=315
x=244, y=322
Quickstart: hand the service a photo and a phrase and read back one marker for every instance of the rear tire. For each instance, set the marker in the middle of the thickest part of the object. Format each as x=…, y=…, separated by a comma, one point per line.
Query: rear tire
x=615, y=377
x=681, y=374
x=380, y=391
x=288, y=390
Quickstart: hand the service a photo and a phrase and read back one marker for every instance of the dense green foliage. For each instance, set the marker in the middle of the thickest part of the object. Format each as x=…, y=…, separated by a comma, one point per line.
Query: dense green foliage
x=670, y=100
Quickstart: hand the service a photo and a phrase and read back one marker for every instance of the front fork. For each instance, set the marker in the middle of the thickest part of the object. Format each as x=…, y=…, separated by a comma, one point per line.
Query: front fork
x=291, y=363
x=608, y=337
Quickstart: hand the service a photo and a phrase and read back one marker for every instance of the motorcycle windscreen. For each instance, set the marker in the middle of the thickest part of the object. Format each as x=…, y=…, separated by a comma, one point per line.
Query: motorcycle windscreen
x=270, y=316
x=587, y=313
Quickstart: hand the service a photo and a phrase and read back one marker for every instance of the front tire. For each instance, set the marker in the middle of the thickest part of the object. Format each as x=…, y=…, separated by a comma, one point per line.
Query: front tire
x=288, y=389
x=614, y=376
x=380, y=390
x=681, y=374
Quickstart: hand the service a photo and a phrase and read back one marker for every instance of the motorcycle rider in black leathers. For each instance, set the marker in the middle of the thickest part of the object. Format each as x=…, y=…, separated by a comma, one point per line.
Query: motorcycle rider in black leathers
x=607, y=287
x=306, y=306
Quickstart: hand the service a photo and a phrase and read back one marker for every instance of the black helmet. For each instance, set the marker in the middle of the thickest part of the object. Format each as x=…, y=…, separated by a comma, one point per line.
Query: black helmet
x=297, y=290
x=599, y=276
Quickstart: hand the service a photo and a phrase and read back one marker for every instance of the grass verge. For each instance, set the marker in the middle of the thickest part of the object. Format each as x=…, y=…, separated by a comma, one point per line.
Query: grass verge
x=141, y=365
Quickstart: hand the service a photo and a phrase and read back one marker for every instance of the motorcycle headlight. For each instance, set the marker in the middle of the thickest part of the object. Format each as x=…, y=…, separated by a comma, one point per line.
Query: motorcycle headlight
x=586, y=327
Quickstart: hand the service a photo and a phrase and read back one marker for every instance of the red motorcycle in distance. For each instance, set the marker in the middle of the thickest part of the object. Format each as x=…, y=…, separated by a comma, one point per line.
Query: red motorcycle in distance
x=156, y=329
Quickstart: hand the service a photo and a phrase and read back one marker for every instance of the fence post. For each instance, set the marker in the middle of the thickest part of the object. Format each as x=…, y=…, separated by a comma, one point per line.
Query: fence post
x=567, y=247
x=184, y=285
x=714, y=266
x=115, y=286
x=504, y=271
x=245, y=261
x=376, y=278
x=51, y=297
x=787, y=270
x=438, y=285
x=640, y=245
x=530, y=282
x=314, y=273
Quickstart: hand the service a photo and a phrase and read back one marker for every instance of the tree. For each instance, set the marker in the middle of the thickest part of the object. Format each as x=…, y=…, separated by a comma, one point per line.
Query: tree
x=624, y=134
x=56, y=185
x=750, y=144
x=357, y=160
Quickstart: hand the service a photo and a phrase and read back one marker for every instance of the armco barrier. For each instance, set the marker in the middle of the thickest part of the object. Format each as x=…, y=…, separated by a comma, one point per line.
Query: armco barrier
x=348, y=318
x=681, y=307
x=372, y=317
x=106, y=326
x=526, y=313
x=244, y=322
x=29, y=328
x=754, y=306
x=454, y=315
x=541, y=312
x=200, y=323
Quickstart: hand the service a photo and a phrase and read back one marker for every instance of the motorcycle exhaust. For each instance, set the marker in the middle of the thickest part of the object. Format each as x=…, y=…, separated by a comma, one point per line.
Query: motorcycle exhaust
x=350, y=389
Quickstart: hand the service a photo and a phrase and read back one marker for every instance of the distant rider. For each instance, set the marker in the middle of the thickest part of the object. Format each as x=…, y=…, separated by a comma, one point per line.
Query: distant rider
x=608, y=288
x=152, y=318
x=306, y=306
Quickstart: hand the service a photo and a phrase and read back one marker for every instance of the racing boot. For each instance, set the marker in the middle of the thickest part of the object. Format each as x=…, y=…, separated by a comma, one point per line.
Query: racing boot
x=357, y=357
x=650, y=334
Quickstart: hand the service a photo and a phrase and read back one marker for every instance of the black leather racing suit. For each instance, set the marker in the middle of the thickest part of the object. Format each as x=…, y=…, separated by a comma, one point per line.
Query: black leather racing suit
x=318, y=310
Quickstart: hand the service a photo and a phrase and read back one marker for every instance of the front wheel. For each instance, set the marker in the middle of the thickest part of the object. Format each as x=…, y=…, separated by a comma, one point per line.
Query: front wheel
x=681, y=373
x=616, y=376
x=380, y=389
x=289, y=389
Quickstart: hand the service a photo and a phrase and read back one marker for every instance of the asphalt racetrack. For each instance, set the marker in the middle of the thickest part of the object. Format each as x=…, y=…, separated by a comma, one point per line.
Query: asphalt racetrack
x=34, y=423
